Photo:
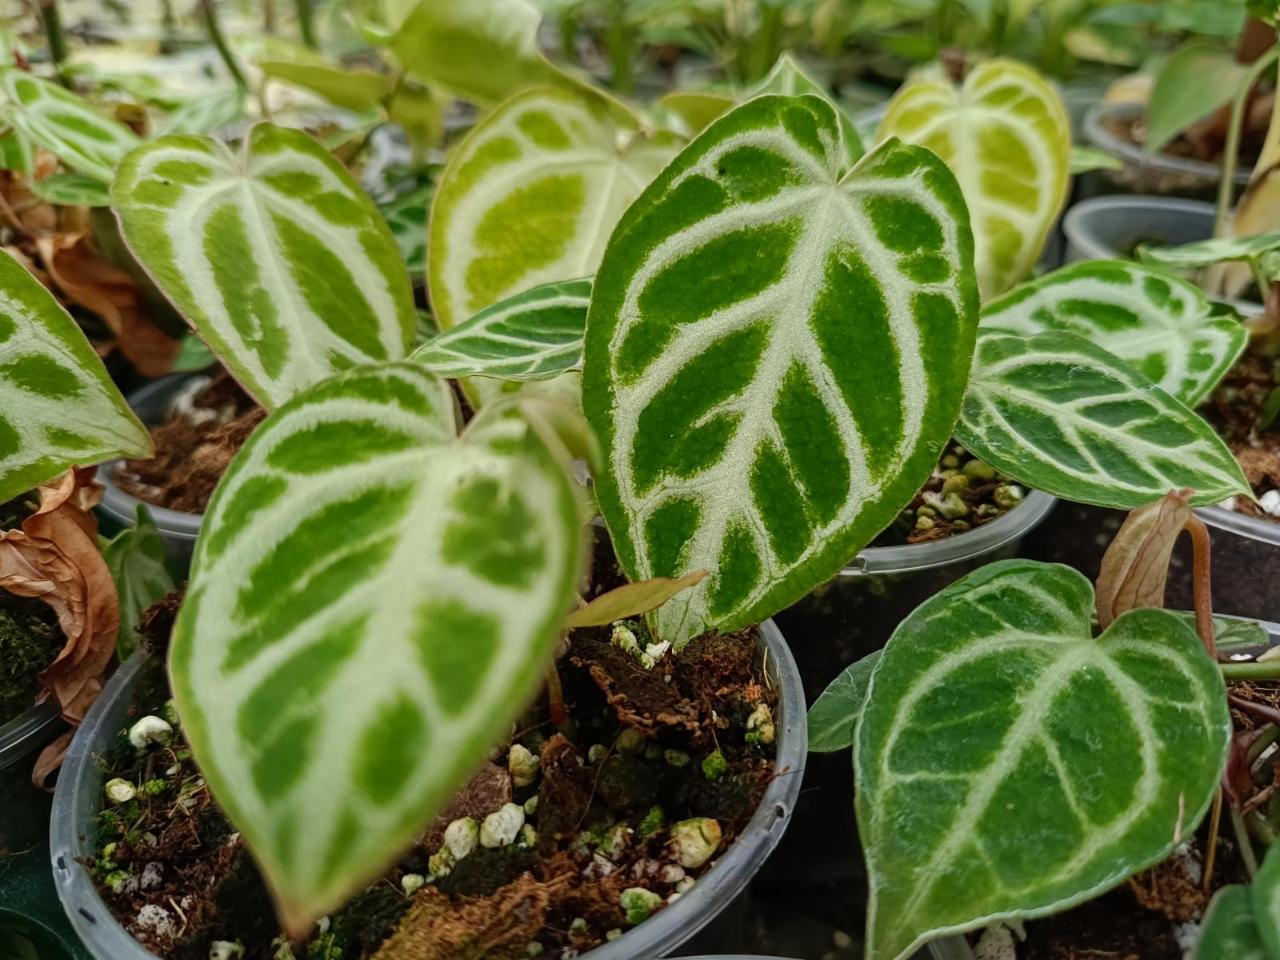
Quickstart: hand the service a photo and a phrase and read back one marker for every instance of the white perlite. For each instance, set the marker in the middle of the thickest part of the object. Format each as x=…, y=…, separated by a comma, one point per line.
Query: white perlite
x=522, y=764
x=411, y=883
x=119, y=790
x=225, y=950
x=1270, y=502
x=155, y=920
x=694, y=841
x=149, y=730
x=997, y=941
x=500, y=829
x=461, y=837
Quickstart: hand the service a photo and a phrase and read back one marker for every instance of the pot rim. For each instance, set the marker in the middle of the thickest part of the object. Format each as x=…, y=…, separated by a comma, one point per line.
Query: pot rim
x=1075, y=222
x=1242, y=525
x=30, y=729
x=79, y=786
x=1102, y=138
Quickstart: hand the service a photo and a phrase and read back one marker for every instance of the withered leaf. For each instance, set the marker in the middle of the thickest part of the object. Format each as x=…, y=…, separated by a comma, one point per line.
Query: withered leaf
x=1136, y=565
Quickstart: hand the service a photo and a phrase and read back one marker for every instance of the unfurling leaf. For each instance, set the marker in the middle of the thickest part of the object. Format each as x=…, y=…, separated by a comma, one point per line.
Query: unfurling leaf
x=534, y=335
x=1006, y=136
x=58, y=406
x=835, y=713
x=1009, y=764
x=136, y=559
x=631, y=600
x=1065, y=416
x=373, y=600
x=1163, y=326
x=775, y=353
x=276, y=256
x=1136, y=564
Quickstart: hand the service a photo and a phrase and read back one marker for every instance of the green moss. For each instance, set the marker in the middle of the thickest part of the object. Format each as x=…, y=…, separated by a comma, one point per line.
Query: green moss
x=29, y=641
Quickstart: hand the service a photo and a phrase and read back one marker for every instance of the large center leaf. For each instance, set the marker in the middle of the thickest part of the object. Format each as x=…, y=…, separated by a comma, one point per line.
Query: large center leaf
x=372, y=601
x=1006, y=136
x=1010, y=764
x=1162, y=325
x=775, y=355
x=278, y=259
x=1065, y=416
x=531, y=196
x=58, y=406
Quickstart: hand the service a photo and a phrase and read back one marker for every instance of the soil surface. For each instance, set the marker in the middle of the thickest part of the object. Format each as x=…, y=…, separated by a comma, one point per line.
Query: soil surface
x=1235, y=410
x=1204, y=141
x=193, y=447
x=30, y=637
x=644, y=749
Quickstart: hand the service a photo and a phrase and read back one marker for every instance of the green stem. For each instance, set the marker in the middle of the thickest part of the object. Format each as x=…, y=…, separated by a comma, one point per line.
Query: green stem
x=568, y=27
x=220, y=43
x=1265, y=739
x=52, y=21
x=306, y=24
x=1242, y=839
x=768, y=41
x=1231, y=153
x=618, y=41
x=1251, y=670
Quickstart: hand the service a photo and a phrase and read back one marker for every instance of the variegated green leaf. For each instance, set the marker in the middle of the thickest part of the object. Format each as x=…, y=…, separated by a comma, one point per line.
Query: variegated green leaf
x=534, y=335
x=74, y=131
x=206, y=114
x=1163, y=326
x=58, y=406
x=71, y=190
x=531, y=196
x=835, y=713
x=1006, y=136
x=791, y=79
x=1229, y=931
x=373, y=599
x=1205, y=253
x=406, y=215
x=775, y=355
x=1009, y=764
x=278, y=259
x=1065, y=416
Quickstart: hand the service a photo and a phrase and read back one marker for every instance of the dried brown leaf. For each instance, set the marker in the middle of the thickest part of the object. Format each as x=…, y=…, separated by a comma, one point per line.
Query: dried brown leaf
x=1136, y=565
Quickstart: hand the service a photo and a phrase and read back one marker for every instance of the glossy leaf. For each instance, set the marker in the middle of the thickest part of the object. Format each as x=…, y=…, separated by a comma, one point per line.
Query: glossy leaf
x=531, y=196
x=1229, y=931
x=789, y=78
x=835, y=713
x=1193, y=82
x=534, y=335
x=1163, y=326
x=1006, y=136
x=775, y=353
x=275, y=256
x=136, y=559
x=73, y=130
x=1064, y=416
x=58, y=406
x=1205, y=253
x=631, y=600
x=373, y=600
x=1009, y=764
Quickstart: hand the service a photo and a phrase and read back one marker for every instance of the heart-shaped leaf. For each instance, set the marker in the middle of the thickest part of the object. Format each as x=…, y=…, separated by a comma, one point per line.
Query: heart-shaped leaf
x=791, y=79
x=278, y=259
x=531, y=196
x=1006, y=136
x=1228, y=931
x=58, y=406
x=1064, y=416
x=835, y=713
x=70, y=128
x=1162, y=325
x=534, y=335
x=373, y=599
x=1010, y=764
x=775, y=354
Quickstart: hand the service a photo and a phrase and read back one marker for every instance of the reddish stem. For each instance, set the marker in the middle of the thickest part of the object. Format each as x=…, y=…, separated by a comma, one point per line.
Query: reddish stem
x=1201, y=582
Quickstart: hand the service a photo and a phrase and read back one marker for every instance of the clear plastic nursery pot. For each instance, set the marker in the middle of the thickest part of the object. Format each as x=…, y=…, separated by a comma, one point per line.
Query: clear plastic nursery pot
x=77, y=800
x=1142, y=171
x=28, y=732
x=178, y=530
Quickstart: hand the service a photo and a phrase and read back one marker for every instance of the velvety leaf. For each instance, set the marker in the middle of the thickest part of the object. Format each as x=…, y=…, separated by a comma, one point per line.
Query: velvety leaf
x=1009, y=764
x=531, y=336
x=1164, y=327
x=1205, y=253
x=1065, y=416
x=206, y=114
x=835, y=713
x=136, y=559
x=631, y=600
x=73, y=130
x=1006, y=136
x=373, y=600
x=775, y=353
x=1233, y=635
x=1135, y=566
x=275, y=256
x=1264, y=894
x=531, y=195
x=789, y=78
x=1194, y=81
x=1228, y=931
x=406, y=215
x=58, y=406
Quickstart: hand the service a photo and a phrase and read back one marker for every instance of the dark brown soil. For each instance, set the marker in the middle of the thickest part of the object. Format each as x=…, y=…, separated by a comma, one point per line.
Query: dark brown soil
x=193, y=448
x=632, y=761
x=1235, y=410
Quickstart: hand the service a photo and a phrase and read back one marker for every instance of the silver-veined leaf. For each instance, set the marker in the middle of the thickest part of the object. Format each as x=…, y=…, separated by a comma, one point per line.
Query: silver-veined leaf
x=58, y=406
x=1010, y=764
x=77, y=133
x=206, y=114
x=1228, y=931
x=275, y=256
x=531, y=196
x=373, y=600
x=406, y=215
x=71, y=190
x=534, y=335
x=835, y=713
x=789, y=78
x=1065, y=416
x=1206, y=253
x=136, y=559
x=1006, y=135
x=1162, y=325
x=775, y=355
